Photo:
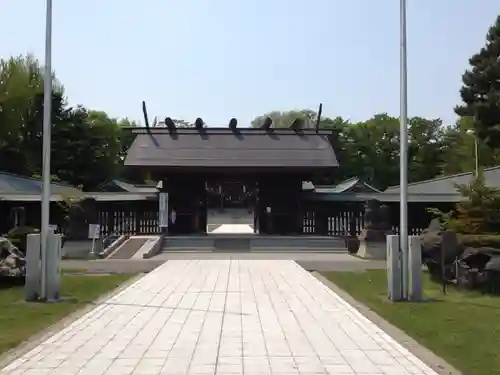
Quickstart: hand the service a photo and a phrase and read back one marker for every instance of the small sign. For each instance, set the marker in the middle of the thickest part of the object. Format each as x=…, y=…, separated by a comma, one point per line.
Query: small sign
x=163, y=210
x=94, y=231
x=53, y=228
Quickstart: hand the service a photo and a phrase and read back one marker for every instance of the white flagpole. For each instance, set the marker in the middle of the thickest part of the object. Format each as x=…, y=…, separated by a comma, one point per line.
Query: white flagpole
x=403, y=169
x=47, y=124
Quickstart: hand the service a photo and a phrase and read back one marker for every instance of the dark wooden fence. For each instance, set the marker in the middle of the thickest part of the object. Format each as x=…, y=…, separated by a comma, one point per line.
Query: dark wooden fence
x=343, y=218
x=320, y=218
x=141, y=217
x=130, y=218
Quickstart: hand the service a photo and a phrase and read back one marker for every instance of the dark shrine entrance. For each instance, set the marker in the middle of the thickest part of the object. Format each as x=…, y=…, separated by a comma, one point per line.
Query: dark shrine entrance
x=261, y=170
x=274, y=201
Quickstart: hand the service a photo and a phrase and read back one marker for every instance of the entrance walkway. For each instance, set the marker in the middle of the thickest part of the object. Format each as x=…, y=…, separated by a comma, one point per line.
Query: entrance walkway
x=222, y=317
x=233, y=229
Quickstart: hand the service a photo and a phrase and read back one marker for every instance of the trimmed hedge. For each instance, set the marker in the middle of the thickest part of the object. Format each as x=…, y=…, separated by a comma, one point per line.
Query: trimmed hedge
x=479, y=240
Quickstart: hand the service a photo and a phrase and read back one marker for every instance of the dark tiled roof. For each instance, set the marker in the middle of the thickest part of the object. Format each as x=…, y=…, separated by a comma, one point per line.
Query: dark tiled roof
x=15, y=184
x=382, y=197
x=215, y=147
x=353, y=184
x=446, y=184
x=133, y=188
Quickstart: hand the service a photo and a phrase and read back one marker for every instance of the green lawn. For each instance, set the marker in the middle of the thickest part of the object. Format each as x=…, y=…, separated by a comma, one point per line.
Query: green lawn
x=19, y=320
x=461, y=327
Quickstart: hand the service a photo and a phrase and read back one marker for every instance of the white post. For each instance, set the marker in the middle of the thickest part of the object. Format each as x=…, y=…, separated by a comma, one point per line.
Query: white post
x=415, y=271
x=47, y=123
x=394, y=287
x=403, y=157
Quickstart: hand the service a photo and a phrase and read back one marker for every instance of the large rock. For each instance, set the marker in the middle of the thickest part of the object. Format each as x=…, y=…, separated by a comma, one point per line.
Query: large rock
x=480, y=269
x=432, y=243
x=437, y=245
x=12, y=261
x=493, y=264
x=431, y=239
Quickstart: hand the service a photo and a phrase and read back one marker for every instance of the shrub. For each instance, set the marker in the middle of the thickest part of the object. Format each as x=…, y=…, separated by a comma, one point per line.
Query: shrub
x=478, y=240
x=480, y=211
x=477, y=213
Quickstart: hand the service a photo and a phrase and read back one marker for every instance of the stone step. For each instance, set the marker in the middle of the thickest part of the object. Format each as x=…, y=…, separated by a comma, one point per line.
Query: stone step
x=242, y=242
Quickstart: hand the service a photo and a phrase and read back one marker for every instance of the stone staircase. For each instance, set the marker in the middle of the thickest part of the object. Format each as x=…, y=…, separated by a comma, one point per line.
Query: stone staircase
x=253, y=243
x=222, y=238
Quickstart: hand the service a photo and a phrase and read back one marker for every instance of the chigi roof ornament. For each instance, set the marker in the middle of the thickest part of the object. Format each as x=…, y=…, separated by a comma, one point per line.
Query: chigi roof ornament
x=146, y=122
x=267, y=124
x=233, y=123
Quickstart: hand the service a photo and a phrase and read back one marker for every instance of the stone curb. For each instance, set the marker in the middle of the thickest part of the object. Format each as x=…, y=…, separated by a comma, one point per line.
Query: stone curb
x=156, y=248
x=46, y=333
x=425, y=355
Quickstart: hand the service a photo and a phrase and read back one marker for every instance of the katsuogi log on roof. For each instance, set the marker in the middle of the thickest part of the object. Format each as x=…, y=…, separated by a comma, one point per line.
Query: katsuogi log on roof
x=224, y=147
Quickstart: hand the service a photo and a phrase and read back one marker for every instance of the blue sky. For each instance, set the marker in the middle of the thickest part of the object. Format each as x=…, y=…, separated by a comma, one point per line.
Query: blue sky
x=232, y=58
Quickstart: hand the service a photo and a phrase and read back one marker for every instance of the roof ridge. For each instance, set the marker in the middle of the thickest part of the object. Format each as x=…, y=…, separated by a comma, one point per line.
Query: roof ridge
x=35, y=179
x=439, y=178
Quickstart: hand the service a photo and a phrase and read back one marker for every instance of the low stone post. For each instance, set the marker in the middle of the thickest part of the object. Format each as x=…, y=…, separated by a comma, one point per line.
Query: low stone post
x=33, y=274
x=33, y=267
x=394, y=276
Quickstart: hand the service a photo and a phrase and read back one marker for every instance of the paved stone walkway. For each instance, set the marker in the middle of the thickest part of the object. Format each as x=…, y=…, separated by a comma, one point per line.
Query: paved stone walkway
x=222, y=317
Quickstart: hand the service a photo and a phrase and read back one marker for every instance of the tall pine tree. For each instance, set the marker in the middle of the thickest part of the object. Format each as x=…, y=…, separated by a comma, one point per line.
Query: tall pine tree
x=480, y=92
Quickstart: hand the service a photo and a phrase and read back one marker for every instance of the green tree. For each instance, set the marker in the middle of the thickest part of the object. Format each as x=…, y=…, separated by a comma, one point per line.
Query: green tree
x=375, y=150
x=339, y=139
x=126, y=135
x=459, y=152
x=477, y=213
x=182, y=123
x=285, y=119
x=86, y=148
x=21, y=108
x=370, y=149
x=425, y=148
x=480, y=211
x=480, y=92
